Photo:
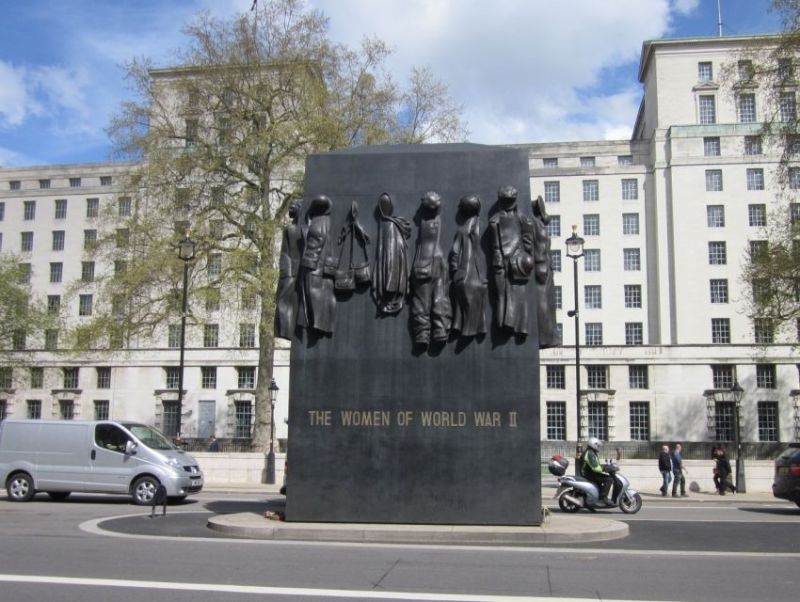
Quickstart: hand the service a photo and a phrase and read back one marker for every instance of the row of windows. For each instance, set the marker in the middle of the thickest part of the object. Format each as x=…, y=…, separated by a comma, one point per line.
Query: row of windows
x=631, y=260
x=587, y=161
x=45, y=183
x=591, y=190
x=756, y=214
x=713, y=148
x=746, y=107
x=754, y=178
x=66, y=409
x=60, y=208
x=593, y=296
x=591, y=224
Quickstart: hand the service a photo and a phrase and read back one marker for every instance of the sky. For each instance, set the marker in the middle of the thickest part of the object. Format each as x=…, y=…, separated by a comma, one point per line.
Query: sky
x=524, y=70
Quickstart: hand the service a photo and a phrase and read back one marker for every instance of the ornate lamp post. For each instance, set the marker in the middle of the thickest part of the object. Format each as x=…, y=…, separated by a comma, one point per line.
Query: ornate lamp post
x=273, y=396
x=575, y=251
x=736, y=394
x=186, y=250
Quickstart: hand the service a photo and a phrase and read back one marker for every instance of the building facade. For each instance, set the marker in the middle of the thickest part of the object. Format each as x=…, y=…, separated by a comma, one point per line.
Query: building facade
x=667, y=217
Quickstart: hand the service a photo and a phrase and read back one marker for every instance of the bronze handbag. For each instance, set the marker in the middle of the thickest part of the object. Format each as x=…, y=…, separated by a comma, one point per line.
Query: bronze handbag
x=344, y=280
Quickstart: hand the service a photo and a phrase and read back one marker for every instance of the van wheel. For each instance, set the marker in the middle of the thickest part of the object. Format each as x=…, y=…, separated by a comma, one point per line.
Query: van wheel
x=20, y=487
x=58, y=495
x=144, y=490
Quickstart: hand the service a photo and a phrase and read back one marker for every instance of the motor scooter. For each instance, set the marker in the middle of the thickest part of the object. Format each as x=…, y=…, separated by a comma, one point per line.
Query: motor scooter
x=575, y=493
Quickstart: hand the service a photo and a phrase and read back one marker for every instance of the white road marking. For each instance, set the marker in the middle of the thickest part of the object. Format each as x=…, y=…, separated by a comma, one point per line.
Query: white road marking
x=281, y=591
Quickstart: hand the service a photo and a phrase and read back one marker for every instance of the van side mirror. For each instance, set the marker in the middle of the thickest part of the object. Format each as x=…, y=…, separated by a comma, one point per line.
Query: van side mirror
x=130, y=448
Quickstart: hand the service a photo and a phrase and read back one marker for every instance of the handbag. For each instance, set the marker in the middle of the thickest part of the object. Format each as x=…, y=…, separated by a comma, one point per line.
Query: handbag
x=356, y=273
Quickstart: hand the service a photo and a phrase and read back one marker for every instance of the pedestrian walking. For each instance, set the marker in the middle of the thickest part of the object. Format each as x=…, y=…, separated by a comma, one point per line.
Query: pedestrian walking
x=678, y=472
x=665, y=466
x=213, y=444
x=723, y=472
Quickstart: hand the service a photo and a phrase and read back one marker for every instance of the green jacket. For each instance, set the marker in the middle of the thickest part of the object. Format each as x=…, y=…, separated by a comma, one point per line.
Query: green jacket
x=590, y=463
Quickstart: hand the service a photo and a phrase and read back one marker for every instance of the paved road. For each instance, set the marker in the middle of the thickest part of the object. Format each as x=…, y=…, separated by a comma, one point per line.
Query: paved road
x=708, y=551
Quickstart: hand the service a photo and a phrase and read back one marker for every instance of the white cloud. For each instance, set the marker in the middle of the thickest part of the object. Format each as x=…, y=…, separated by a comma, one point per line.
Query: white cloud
x=15, y=101
x=685, y=7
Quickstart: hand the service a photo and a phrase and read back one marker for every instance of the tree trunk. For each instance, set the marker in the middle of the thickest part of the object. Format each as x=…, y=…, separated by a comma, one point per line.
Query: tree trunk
x=263, y=410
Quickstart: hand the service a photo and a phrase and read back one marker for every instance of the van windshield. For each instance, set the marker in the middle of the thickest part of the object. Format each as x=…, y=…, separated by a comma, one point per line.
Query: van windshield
x=149, y=436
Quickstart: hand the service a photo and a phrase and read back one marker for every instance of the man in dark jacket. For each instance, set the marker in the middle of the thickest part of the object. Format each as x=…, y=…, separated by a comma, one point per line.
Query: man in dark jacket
x=678, y=478
x=665, y=466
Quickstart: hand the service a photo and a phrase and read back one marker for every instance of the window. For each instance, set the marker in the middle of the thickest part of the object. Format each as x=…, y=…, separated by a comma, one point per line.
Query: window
x=34, y=409
x=752, y=145
x=191, y=132
x=707, y=109
x=638, y=377
x=2, y=210
x=85, y=305
x=768, y=421
x=719, y=290
x=87, y=271
x=70, y=378
x=6, y=377
x=66, y=409
x=631, y=260
x=763, y=331
x=24, y=273
x=61, y=208
x=103, y=377
x=745, y=70
x=174, y=336
x=794, y=178
x=598, y=419
x=723, y=420
x=14, y=185
x=37, y=377
x=58, y=240
x=723, y=377
x=552, y=192
x=720, y=331
x=593, y=334
x=766, y=376
x=591, y=225
x=715, y=216
x=592, y=296
x=51, y=339
x=705, y=72
x=208, y=379
x=26, y=242
x=53, y=304
x=172, y=375
x=89, y=240
x=246, y=377
x=757, y=215
x=597, y=377
x=29, y=211
x=717, y=253
x=101, y=409
x=214, y=265
x=591, y=190
x=247, y=335
x=787, y=107
x=630, y=189
x=785, y=69
x=170, y=420
x=3, y=409
x=558, y=296
x=624, y=160
x=44, y=184
x=640, y=420
x=56, y=270
x=556, y=378
x=105, y=180
x=630, y=223
x=74, y=182
x=244, y=419
x=1, y=241
x=120, y=267
x=713, y=180
x=123, y=236
x=633, y=296
x=92, y=207
x=711, y=146
x=591, y=260
x=755, y=179
x=124, y=207
x=211, y=335
x=747, y=108
x=557, y=420
x=550, y=162
x=634, y=333
x=554, y=226
x=555, y=260
x=587, y=161
x=758, y=249
x=18, y=340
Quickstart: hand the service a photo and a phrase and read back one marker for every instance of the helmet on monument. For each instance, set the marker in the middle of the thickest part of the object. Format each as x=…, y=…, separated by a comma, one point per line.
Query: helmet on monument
x=594, y=443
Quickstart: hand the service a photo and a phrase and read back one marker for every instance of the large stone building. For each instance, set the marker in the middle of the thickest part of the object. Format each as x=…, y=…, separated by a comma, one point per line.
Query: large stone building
x=667, y=219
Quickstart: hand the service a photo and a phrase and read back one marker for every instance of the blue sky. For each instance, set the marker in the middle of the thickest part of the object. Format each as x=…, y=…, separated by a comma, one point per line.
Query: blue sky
x=525, y=71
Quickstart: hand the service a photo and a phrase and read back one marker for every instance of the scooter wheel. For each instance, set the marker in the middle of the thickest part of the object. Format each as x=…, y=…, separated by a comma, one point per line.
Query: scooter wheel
x=567, y=506
x=630, y=503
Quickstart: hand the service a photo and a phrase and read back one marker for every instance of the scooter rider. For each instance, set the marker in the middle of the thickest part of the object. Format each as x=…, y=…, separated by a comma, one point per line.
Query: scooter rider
x=592, y=470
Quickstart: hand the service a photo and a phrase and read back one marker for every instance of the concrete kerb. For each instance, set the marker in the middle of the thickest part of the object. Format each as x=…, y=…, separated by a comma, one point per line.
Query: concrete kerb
x=555, y=529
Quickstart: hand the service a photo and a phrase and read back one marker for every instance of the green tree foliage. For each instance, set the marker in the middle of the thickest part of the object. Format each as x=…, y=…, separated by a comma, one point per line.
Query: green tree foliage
x=221, y=140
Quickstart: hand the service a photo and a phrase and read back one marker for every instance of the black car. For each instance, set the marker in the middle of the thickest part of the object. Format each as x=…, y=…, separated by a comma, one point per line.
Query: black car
x=787, y=474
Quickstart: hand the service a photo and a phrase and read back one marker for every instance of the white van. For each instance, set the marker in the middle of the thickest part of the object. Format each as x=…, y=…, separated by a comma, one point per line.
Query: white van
x=61, y=456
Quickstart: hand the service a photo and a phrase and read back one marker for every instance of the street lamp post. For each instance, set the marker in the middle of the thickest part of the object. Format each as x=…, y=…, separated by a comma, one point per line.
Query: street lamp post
x=737, y=393
x=186, y=250
x=273, y=396
x=575, y=251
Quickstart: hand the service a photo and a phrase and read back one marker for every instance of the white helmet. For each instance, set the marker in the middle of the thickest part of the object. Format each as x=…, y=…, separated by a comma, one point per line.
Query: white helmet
x=594, y=443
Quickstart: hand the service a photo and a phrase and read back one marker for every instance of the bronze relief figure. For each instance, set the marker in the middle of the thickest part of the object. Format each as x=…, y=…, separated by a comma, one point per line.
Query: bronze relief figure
x=390, y=275
x=467, y=271
x=545, y=289
x=317, y=271
x=288, y=291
